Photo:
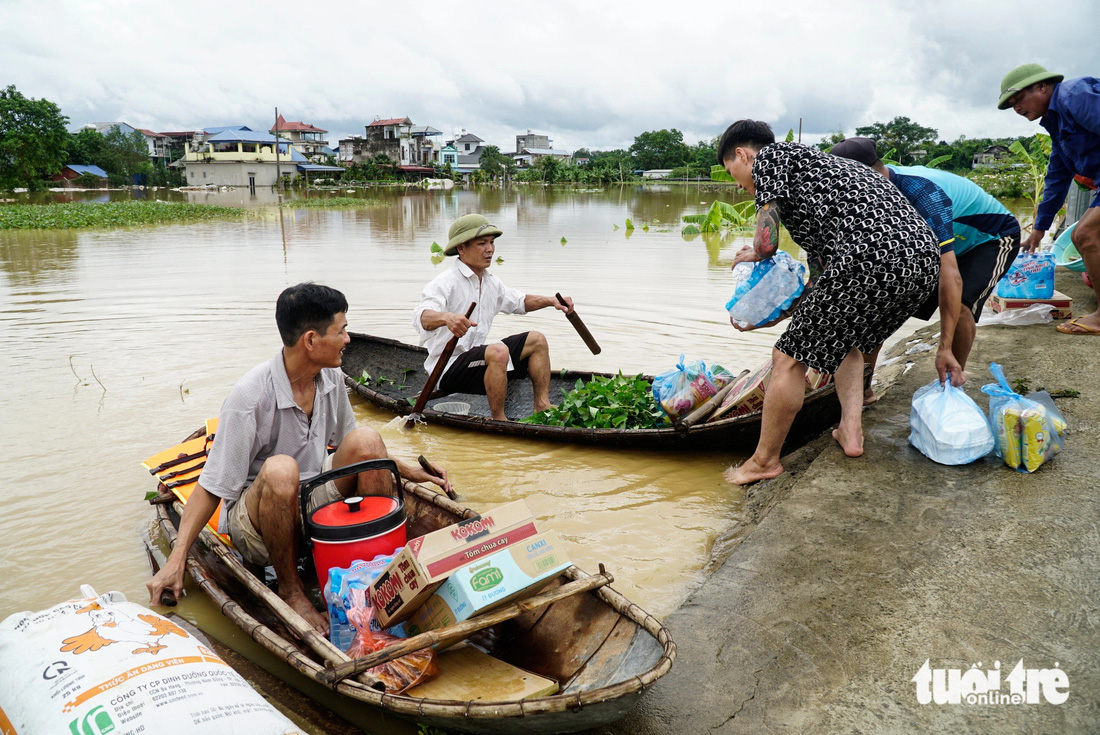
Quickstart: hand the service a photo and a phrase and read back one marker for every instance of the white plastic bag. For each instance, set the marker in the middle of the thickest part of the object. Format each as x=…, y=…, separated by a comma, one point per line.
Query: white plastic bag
x=763, y=290
x=1034, y=314
x=102, y=664
x=947, y=426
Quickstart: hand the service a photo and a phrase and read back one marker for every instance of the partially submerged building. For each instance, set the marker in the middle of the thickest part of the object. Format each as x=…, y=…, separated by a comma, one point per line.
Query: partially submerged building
x=242, y=157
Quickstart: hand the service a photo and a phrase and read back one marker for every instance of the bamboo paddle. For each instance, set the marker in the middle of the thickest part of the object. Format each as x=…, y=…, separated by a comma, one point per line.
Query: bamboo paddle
x=582, y=330
x=437, y=371
x=454, y=633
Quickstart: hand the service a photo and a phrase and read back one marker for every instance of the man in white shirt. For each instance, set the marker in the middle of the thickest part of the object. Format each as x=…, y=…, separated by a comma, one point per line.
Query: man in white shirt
x=477, y=366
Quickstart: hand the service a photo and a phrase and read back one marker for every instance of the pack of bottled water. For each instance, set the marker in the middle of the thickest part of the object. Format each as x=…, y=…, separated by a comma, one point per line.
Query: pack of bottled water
x=765, y=289
x=1031, y=276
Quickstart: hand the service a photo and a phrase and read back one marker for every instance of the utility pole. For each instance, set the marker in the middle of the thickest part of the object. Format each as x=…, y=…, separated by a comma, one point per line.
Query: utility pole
x=278, y=171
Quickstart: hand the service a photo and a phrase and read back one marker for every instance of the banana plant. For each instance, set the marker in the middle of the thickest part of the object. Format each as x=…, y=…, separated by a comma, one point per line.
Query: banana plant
x=721, y=216
x=1035, y=158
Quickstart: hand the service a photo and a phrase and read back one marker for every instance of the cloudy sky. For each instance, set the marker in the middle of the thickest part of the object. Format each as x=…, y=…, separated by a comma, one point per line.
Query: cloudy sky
x=591, y=74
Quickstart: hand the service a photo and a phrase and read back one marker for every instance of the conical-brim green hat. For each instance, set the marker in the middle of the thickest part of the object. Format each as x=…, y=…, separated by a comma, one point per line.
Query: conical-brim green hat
x=1021, y=78
x=469, y=227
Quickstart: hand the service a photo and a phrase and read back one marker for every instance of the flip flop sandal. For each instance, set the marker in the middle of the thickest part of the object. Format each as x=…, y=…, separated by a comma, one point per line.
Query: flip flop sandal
x=1082, y=329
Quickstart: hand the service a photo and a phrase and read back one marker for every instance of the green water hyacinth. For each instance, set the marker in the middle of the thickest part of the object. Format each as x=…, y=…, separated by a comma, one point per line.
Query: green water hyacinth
x=619, y=402
x=108, y=214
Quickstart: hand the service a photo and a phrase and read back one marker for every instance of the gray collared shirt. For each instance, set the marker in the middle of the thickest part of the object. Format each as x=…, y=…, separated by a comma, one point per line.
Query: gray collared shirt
x=260, y=419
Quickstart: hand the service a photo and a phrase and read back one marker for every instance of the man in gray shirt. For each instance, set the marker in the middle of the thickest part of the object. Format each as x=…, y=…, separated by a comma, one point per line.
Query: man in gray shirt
x=273, y=432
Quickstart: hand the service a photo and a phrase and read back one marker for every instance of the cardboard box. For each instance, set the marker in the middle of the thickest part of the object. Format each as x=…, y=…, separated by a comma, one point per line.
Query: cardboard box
x=747, y=394
x=516, y=572
x=816, y=379
x=426, y=561
x=1063, y=305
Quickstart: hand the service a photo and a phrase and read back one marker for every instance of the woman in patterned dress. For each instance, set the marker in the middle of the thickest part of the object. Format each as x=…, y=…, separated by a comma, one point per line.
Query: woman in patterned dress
x=873, y=261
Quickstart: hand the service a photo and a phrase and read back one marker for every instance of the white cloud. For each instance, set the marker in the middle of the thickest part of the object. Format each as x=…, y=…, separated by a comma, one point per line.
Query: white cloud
x=593, y=74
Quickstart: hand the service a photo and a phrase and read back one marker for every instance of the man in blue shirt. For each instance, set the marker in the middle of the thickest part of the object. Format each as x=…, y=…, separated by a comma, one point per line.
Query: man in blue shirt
x=1070, y=112
x=978, y=238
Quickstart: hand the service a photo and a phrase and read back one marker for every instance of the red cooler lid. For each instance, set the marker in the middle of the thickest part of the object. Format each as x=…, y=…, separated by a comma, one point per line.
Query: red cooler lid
x=356, y=517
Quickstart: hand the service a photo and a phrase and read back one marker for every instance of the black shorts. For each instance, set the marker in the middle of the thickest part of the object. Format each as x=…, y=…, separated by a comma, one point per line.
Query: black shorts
x=467, y=373
x=981, y=268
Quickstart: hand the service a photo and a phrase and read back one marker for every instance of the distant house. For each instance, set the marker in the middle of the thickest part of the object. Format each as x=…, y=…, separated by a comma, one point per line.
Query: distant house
x=448, y=154
x=426, y=145
x=303, y=136
x=656, y=173
x=413, y=149
x=526, y=157
x=991, y=156
x=242, y=157
x=531, y=140
x=466, y=143
x=74, y=171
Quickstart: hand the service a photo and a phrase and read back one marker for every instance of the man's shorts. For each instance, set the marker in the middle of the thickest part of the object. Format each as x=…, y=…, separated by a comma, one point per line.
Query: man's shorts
x=246, y=539
x=981, y=268
x=467, y=373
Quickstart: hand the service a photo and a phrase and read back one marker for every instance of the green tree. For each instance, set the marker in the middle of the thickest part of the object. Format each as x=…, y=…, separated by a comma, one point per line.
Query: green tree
x=32, y=139
x=125, y=154
x=550, y=168
x=826, y=144
x=900, y=134
x=492, y=162
x=660, y=149
x=86, y=148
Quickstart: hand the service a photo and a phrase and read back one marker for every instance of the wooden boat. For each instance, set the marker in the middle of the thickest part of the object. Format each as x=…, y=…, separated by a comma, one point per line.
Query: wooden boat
x=397, y=375
x=601, y=649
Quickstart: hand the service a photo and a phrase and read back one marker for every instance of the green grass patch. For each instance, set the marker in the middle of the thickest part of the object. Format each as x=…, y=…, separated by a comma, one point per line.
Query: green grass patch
x=109, y=214
x=326, y=202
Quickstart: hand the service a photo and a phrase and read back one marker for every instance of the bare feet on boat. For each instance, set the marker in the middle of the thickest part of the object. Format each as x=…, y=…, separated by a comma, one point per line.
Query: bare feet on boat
x=301, y=605
x=851, y=442
x=869, y=397
x=749, y=472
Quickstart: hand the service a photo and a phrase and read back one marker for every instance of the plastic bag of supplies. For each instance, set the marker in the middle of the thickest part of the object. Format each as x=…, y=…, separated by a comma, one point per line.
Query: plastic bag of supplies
x=947, y=426
x=1028, y=432
x=683, y=388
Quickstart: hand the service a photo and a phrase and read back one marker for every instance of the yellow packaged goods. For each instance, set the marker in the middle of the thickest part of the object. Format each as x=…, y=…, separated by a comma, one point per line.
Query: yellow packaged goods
x=419, y=568
x=516, y=572
x=1028, y=430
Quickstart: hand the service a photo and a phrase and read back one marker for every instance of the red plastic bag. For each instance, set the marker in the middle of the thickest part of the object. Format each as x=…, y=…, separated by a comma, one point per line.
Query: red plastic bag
x=401, y=673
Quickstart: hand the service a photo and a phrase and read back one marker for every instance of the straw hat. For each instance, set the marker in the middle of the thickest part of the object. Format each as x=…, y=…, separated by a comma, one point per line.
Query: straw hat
x=469, y=227
x=1021, y=78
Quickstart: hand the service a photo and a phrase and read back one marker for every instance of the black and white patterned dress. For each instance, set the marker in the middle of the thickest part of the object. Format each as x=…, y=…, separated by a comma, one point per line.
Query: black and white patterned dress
x=880, y=258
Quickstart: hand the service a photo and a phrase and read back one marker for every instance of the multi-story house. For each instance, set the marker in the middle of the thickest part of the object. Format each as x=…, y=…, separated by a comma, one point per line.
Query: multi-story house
x=308, y=139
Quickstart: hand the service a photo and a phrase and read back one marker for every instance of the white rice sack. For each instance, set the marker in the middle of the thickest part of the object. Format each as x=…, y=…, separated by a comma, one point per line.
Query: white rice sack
x=104, y=665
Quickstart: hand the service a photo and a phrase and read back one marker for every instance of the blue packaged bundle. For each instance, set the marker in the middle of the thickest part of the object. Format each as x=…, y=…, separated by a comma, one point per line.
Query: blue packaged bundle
x=765, y=289
x=340, y=582
x=1031, y=276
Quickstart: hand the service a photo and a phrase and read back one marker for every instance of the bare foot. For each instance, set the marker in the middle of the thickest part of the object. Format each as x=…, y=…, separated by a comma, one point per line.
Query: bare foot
x=851, y=443
x=869, y=397
x=749, y=472
x=301, y=605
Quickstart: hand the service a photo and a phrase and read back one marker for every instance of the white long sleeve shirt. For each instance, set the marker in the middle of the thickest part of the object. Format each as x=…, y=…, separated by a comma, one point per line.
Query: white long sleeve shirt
x=453, y=290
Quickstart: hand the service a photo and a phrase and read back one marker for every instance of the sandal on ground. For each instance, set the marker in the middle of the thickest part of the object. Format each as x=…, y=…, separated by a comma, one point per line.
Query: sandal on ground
x=1074, y=326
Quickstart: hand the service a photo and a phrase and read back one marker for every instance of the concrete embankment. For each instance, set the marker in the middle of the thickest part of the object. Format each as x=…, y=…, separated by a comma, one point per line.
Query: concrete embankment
x=848, y=574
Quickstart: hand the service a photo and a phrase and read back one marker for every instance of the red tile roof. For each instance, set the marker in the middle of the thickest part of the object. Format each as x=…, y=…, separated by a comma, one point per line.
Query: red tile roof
x=295, y=125
x=391, y=121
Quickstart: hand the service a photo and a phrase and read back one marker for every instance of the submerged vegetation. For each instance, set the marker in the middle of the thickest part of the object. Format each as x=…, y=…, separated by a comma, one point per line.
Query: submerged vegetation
x=108, y=214
x=605, y=403
x=325, y=202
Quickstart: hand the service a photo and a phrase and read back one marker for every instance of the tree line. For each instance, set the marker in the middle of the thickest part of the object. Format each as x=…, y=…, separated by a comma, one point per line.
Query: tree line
x=35, y=145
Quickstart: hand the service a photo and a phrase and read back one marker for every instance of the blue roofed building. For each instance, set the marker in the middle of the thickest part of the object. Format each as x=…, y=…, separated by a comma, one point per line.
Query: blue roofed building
x=237, y=156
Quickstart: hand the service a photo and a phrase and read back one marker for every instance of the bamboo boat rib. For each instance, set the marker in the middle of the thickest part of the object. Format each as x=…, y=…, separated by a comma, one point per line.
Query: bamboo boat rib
x=563, y=712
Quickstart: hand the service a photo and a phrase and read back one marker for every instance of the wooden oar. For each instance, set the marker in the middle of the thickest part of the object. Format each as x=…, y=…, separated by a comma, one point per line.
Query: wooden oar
x=575, y=319
x=454, y=633
x=431, y=469
x=437, y=371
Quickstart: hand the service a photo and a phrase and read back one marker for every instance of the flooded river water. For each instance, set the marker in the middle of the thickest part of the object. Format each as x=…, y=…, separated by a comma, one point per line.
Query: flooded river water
x=116, y=344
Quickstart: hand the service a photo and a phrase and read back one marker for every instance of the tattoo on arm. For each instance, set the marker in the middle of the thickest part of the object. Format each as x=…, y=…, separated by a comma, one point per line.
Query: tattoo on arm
x=766, y=241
